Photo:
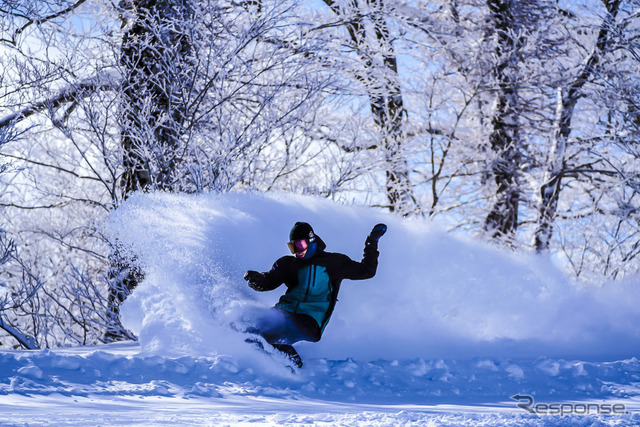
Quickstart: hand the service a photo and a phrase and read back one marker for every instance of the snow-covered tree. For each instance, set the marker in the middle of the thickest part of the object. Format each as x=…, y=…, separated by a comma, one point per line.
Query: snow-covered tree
x=568, y=96
x=369, y=36
x=177, y=96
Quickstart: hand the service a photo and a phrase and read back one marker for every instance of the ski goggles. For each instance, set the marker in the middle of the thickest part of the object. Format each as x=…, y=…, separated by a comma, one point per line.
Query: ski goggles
x=297, y=246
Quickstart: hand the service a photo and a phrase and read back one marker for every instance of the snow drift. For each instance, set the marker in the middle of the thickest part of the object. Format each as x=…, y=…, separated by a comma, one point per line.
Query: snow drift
x=435, y=295
x=449, y=332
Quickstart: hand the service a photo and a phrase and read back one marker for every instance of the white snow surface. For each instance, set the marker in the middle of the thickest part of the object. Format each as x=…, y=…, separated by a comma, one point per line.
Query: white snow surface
x=446, y=333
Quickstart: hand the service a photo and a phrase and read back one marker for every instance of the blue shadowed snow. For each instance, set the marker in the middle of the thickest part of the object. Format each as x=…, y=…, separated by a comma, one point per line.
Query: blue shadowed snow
x=435, y=295
x=445, y=334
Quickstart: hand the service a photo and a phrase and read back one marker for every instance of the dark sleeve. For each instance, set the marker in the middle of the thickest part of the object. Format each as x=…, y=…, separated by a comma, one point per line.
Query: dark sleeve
x=276, y=276
x=364, y=269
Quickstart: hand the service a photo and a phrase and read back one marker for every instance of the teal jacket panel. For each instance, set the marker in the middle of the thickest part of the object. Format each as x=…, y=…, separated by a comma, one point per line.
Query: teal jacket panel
x=311, y=296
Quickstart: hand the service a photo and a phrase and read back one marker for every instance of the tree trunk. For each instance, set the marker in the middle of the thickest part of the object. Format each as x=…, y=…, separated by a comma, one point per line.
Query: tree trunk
x=123, y=278
x=385, y=95
x=502, y=220
x=156, y=58
x=388, y=110
x=567, y=100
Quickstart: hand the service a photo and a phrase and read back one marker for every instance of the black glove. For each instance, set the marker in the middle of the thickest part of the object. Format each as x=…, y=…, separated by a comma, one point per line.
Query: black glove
x=377, y=232
x=255, y=279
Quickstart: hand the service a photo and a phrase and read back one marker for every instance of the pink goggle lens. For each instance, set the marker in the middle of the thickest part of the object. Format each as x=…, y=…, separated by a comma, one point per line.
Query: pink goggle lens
x=298, y=246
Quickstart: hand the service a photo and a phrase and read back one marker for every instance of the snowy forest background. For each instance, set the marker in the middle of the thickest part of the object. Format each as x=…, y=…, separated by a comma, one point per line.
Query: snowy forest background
x=514, y=121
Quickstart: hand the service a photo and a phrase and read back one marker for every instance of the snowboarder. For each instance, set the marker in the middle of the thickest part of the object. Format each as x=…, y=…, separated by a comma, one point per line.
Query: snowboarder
x=313, y=278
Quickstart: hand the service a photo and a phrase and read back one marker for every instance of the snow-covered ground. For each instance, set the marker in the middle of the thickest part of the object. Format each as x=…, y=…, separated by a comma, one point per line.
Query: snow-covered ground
x=448, y=331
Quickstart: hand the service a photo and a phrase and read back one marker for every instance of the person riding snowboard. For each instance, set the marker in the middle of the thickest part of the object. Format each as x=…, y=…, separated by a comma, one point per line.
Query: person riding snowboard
x=313, y=278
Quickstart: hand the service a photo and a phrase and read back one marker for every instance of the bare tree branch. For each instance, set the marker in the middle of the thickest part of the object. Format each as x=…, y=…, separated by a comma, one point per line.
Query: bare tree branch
x=40, y=20
x=71, y=93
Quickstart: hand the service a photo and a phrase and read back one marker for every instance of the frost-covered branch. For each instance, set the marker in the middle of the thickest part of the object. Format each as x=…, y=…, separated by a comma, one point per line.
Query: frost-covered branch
x=71, y=93
x=9, y=303
x=32, y=18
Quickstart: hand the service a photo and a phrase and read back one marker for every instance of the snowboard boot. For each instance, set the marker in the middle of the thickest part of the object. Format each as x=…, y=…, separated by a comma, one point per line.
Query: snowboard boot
x=290, y=352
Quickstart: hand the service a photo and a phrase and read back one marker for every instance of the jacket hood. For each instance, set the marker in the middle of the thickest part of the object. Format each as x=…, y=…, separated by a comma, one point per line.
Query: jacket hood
x=321, y=245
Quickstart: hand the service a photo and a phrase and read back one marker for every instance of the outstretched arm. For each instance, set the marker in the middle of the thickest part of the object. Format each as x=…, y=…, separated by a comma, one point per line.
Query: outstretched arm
x=366, y=268
x=266, y=281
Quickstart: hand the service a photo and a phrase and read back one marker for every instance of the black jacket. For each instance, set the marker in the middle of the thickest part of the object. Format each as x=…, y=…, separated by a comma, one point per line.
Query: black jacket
x=313, y=284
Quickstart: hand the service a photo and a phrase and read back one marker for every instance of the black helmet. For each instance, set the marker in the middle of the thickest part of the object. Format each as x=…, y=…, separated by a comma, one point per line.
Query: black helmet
x=302, y=231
